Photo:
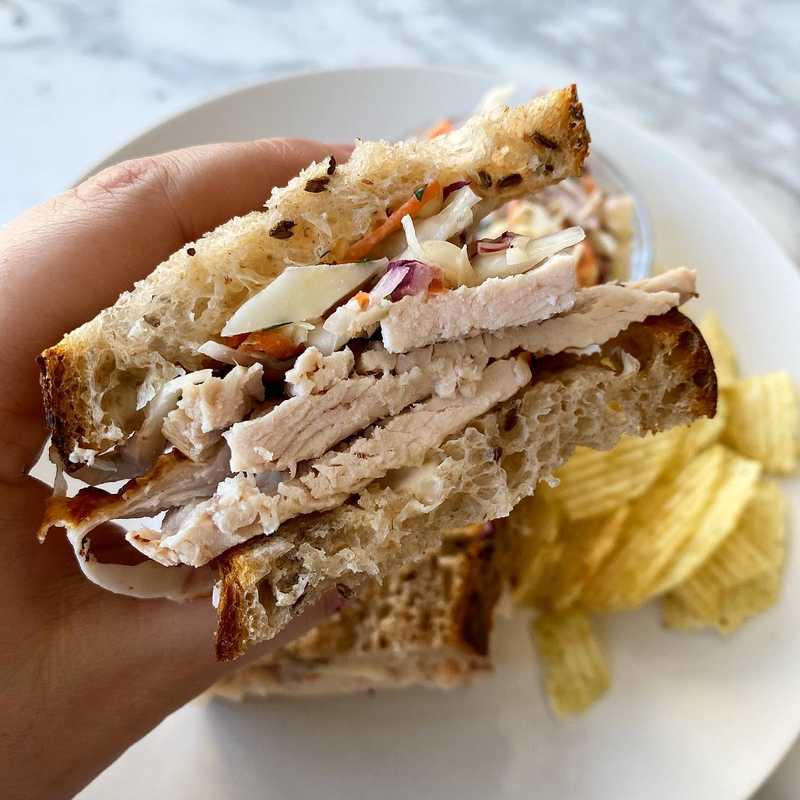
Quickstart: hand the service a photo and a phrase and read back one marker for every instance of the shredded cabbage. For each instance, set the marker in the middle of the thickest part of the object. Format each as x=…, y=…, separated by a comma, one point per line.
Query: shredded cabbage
x=228, y=355
x=455, y=217
x=301, y=293
x=525, y=253
x=451, y=259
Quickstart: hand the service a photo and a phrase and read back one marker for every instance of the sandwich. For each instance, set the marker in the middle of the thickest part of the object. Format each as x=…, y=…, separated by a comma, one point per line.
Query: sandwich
x=312, y=393
x=427, y=624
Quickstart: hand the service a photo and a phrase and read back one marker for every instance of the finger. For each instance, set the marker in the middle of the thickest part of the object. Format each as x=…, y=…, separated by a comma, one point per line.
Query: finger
x=178, y=641
x=331, y=602
x=64, y=260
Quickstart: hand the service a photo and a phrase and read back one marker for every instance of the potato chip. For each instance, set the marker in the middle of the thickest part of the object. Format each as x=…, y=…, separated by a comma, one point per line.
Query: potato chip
x=764, y=420
x=574, y=668
x=676, y=615
x=730, y=587
x=586, y=546
x=533, y=530
x=699, y=435
x=725, y=361
x=734, y=606
x=533, y=589
x=746, y=601
x=593, y=483
x=658, y=526
x=733, y=492
x=677, y=514
x=756, y=545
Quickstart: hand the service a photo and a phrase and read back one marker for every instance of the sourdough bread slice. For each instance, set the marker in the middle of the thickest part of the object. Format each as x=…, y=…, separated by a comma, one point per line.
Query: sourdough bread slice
x=428, y=624
x=97, y=378
x=653, y=376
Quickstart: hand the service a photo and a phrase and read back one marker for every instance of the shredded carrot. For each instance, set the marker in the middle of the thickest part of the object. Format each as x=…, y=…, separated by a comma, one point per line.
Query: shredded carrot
x=362, y=298
x=439, y=128
x=233, y=341
x=273, y=343
x=436, y=286
x=588, y=269
x=362, y=247
x=588, y=183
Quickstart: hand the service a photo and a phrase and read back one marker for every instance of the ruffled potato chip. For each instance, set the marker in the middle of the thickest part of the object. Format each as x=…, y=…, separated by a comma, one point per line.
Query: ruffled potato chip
x=742, y=576
x=764, y=420
x=574, y=667
x=733, y=492
x=593, y=483
x=586, y=546
x=725, y=361
x=533, y=529
x=657, y=528
x=698, y=436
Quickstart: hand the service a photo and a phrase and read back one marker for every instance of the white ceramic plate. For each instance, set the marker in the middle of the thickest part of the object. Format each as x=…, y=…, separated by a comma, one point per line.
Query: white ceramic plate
x=689, y=716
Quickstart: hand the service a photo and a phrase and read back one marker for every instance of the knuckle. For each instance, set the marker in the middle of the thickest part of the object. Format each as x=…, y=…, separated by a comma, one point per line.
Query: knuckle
x=126, y=174
x=290, y=149
x=142, y=174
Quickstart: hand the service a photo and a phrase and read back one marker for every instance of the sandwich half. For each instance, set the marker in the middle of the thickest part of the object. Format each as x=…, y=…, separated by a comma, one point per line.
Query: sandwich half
x=428, y=624
x=312, y=393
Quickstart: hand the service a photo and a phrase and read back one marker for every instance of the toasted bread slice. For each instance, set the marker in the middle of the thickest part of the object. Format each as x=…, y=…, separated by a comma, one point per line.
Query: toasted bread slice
x=656, y=374
x=94, y=379
x=429, y=624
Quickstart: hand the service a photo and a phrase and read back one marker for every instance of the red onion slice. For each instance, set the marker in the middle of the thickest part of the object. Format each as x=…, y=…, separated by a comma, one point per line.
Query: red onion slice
x=453, y=187
x=391, y=279
x=416, y=280
x=496, y=245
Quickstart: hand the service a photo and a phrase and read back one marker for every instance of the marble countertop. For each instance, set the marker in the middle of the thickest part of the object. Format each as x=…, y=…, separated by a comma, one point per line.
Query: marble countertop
x=720, y=80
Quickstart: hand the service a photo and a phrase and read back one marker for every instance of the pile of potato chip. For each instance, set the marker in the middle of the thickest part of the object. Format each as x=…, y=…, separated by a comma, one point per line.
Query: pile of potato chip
x=687, y=516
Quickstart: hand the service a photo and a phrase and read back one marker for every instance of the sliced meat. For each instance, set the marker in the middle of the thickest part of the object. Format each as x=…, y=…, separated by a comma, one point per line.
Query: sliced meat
x=207, y=408
x=202, y=530
x=452, y=366
x=599, y=314
x=420, y=320
x=681, y=280
x=350, y=321
x=301, y=428
x=138, y=453
x=314, y=373
x=240, y=509
x=261, y=503
x=172, y=481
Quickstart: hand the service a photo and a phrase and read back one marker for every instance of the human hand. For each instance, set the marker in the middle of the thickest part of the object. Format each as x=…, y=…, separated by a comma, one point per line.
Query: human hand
x=86, y=673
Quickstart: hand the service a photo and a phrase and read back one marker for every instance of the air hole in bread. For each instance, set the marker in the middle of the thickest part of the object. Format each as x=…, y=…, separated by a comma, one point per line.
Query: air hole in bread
x=701, y=378
x=675, y=394
x=513, y=464
x=688, y=341
x=199, y=307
